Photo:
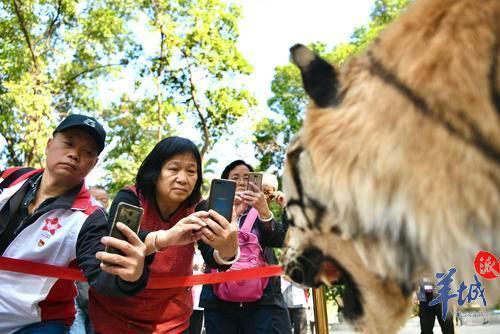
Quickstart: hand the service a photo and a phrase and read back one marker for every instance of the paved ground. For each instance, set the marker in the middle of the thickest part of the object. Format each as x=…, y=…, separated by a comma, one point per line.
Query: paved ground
x=473, y=324
x=469, y=327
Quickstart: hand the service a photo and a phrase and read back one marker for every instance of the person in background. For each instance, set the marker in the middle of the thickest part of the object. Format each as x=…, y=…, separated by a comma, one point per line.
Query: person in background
x=427, y=313
x=196, y=320
x=82, y=324
x=269, y=314
x=296, y=301
x=295, y=297
x=270, y=189
x=168, y=188
x=46, y=216
x=100, y=194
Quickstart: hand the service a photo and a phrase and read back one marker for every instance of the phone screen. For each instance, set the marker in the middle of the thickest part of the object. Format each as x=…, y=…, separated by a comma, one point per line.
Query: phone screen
x=222, y=197
x=129, y=215
x=255, y=178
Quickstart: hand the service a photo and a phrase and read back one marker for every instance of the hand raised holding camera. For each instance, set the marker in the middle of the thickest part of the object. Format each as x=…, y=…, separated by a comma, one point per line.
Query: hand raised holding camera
x=279, y=198
x=221, y=235
x=185, y=231
x=239, y=206
x=129, y=264
x=256, y=198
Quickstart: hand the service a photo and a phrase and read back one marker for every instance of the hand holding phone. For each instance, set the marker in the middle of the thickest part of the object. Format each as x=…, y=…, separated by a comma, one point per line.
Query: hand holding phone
x=255, y=178
x=128, y=214
x=221, y=197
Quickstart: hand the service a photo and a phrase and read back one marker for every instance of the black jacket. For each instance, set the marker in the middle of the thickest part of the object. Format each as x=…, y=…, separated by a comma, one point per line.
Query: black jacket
x=271, y=234
x=88, y=241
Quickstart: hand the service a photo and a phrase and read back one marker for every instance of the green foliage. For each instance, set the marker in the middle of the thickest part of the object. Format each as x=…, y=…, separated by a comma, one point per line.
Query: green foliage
x=334, y=294
x=288, y=101
x=52, y=54
x=277, y=211
x=25, y=128
x=131, y=126
x=193, y=71
x=208, y=170
x=56, y=55
x=271, y=135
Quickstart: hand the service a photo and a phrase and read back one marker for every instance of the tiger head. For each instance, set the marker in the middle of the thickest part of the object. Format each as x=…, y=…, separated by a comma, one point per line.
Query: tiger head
x=395, y=174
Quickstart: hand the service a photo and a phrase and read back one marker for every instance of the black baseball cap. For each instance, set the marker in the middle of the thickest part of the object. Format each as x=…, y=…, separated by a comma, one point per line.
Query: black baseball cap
x=87, y=124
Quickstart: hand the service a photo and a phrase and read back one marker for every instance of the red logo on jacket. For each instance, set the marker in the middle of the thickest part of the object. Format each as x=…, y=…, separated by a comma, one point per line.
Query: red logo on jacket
x=51, y=225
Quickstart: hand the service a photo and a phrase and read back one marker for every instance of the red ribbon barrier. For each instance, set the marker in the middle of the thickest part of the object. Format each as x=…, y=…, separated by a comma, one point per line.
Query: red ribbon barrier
x=155, y=281
x=40, y=269
x=160, y=282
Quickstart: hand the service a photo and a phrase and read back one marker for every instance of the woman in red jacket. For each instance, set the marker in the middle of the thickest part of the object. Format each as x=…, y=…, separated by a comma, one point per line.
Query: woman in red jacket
x=167, y=187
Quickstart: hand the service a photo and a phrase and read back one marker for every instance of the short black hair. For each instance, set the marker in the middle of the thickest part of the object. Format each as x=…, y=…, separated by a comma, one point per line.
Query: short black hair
x=233, y=165
x=150, y=169
x=97, y=186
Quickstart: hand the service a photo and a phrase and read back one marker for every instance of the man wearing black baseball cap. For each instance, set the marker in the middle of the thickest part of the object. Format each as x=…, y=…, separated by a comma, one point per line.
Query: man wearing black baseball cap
x=87, y=124
x=46, y=216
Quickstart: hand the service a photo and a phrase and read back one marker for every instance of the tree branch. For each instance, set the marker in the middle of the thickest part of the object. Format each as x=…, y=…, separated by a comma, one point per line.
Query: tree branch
x=22, y=24
x=159, y=71
x=51, y=28
x=88, y=70
x=49, y=31
x=161, y=66
x=197, y=107
x=50, y=49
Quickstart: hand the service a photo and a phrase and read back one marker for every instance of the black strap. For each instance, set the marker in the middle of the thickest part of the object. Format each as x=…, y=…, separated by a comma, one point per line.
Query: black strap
x=14, y=176
x=9, y=214
x=10, y=208
x=201, y=206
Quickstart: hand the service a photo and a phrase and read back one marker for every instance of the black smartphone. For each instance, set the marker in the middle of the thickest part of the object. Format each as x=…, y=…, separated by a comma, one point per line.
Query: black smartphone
x=222, y=197
x=129, y=215
x=255, y=178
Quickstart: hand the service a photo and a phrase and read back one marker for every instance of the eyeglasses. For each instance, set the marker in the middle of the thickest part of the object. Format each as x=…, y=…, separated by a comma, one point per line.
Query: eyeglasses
x=270, y=195
x=240, y=178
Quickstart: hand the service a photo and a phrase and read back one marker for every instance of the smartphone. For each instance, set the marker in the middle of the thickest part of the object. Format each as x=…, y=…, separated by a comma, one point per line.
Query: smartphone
x=129, y=215
x=221, y=197
x=255, y=178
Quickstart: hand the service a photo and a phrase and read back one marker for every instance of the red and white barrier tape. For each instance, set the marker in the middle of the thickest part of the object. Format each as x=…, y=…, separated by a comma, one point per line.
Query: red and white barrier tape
x=155, y=281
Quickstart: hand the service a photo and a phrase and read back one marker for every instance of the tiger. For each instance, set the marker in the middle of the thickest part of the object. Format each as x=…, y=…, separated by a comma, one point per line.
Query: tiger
x=395, y=173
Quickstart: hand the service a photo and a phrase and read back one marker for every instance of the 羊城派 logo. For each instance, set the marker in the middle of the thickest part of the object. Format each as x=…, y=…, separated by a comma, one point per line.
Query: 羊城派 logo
x=486, y=265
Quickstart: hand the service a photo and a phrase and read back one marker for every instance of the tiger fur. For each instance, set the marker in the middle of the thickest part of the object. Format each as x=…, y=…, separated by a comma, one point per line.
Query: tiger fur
x=396, y=171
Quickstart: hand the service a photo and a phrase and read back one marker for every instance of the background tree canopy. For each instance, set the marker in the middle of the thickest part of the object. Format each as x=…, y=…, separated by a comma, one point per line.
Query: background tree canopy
x=51, y=55
x=272, y=135
x=184, y=76
x=63, y=56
